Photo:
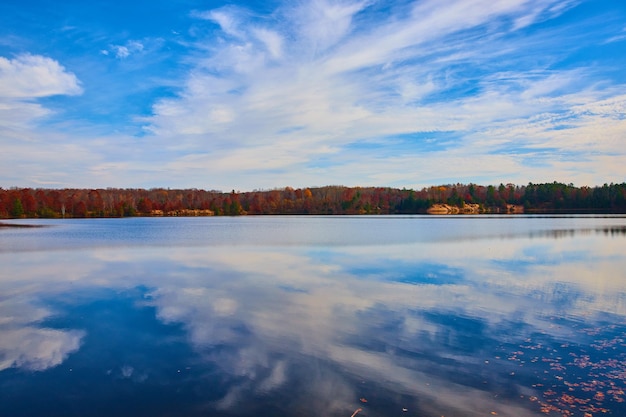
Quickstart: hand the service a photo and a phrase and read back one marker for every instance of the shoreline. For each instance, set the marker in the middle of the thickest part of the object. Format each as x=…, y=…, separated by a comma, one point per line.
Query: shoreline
x=20, y=225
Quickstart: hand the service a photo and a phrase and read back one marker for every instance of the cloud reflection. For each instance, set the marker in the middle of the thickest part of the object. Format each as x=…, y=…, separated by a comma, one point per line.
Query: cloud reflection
x=25, y=345
x=361, y=322
x=421, y=322
x=37, y=349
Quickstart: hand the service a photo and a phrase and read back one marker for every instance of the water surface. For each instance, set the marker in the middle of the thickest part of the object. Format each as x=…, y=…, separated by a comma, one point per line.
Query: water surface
x=309, y=316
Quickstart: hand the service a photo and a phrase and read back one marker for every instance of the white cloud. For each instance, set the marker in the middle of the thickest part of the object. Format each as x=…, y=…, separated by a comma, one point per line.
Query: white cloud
x=23, y=80
x=617, y=38
x=330, y=77
x=35, y=76
x=226, y=17
x=124, y=51
x=121, y=51
x=321, y=24
x=15, y=114
x=272, y=40
x=286, y=97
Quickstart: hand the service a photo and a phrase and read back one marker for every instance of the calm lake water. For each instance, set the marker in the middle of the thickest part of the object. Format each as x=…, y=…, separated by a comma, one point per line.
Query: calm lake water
x=314, y=316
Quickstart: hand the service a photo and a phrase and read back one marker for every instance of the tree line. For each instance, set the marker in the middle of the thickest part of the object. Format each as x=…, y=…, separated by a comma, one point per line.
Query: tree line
x=329, y=200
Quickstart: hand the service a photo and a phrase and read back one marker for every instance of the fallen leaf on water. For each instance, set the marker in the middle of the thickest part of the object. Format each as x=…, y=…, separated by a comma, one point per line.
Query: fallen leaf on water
x=357, y=411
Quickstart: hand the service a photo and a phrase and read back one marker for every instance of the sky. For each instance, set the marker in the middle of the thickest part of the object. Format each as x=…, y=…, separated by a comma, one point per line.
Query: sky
x=246, y=95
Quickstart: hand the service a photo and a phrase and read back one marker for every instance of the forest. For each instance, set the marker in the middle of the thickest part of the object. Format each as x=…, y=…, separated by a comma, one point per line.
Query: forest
x=328, y=200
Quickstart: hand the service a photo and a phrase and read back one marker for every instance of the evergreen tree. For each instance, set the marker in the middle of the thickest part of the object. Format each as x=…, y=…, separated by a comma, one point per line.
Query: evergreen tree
x=18, y=209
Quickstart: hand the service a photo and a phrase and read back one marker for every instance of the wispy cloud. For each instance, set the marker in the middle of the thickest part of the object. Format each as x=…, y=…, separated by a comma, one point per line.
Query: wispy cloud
x=124, y=51
x=264, y=98
x=341, y=79
x=620, y=37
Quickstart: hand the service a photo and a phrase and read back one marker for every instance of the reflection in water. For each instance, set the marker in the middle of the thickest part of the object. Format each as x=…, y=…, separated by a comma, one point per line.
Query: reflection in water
x=458, y=327
x=26, y=345
x=36, y=349
x=611, y=230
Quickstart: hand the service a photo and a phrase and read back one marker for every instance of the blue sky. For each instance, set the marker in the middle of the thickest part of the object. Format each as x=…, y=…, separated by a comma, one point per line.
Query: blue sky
x=257, y=95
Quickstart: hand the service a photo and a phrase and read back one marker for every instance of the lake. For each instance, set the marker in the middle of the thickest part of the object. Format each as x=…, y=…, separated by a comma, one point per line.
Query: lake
x=314, y=316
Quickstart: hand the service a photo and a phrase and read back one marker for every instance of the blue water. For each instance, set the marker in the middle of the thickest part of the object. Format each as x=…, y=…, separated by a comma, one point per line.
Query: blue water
x=309, y=316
